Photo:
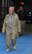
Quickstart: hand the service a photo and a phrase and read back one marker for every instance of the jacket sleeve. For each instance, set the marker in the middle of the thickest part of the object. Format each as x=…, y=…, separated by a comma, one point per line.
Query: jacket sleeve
x=4, y=25
x=18, y=24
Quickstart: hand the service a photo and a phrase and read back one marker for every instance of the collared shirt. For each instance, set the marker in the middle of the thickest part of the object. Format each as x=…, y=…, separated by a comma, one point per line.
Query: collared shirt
x=10, y=21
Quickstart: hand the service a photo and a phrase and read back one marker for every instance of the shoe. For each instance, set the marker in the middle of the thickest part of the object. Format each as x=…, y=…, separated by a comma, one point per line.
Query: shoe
x=7, y=50
x=14, y=47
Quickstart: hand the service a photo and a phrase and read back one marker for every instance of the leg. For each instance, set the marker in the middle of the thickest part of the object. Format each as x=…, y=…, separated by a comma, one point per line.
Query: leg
x=14, y=43
x=23, y=26
x=8, y=40
x=14, y=40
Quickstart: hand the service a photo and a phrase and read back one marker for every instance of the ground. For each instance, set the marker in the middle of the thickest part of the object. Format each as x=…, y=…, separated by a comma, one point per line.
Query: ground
x=23, y=45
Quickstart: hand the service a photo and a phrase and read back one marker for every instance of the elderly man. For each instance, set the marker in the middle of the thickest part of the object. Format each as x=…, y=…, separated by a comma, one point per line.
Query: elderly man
x=12, y=27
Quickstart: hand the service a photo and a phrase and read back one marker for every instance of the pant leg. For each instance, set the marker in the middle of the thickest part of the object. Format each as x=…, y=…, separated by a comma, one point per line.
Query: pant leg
x=13, y=38
x=8, y=38
x=23, y=26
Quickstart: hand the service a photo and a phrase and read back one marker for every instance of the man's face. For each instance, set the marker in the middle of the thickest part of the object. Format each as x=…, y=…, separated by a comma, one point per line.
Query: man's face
x=11, y=10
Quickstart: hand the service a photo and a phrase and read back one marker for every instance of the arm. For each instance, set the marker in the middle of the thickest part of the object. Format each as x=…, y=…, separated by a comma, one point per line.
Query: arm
x=18, y=24
x=4, y=26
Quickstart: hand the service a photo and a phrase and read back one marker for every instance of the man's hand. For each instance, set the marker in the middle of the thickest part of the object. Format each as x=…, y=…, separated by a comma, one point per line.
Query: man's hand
x=2, y=31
